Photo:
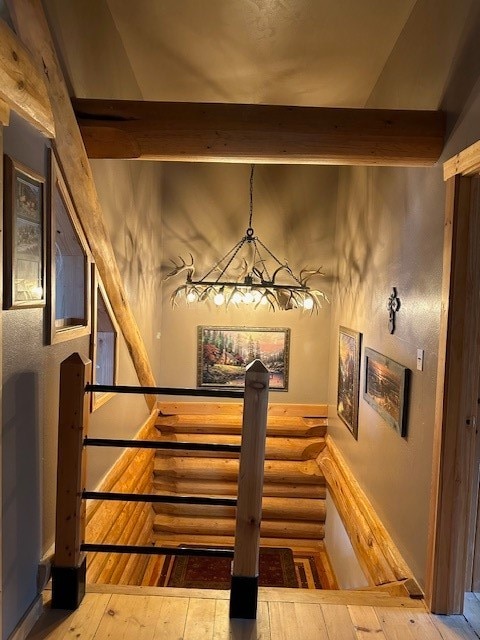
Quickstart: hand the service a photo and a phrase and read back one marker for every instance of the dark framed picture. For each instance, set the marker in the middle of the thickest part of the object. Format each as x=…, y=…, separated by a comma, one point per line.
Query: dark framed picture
x=349, y=350
x=386, y=389
x=224, y=352
x=24, y=238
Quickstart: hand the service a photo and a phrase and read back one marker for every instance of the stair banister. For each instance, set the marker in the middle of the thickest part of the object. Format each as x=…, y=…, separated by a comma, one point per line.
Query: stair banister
x=244, y=587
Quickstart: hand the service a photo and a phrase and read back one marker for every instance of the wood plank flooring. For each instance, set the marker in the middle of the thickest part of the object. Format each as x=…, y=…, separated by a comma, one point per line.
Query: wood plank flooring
x=147, y=613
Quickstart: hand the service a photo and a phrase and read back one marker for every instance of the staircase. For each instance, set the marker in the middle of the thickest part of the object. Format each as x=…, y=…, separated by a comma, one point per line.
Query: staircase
x=294, y=488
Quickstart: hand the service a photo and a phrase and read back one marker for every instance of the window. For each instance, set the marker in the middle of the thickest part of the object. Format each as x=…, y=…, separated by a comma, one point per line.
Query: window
x=104, y=342
x=70, y=261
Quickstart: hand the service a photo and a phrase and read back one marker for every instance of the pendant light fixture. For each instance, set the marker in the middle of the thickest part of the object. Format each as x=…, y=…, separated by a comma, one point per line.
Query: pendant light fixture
x=248, y=274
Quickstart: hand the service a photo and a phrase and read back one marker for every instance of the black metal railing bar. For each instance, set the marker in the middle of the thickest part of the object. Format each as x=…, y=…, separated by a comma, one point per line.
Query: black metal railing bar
x=154, y=497
x=168, y=391
x=164, y=551
x=157, y=444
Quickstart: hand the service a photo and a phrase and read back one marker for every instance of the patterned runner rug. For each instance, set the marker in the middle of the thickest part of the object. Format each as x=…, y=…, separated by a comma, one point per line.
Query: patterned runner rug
x=277, y=568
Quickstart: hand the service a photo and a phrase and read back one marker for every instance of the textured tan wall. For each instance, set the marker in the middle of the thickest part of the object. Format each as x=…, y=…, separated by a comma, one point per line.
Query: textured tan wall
x=390, y=233
x=205, y=211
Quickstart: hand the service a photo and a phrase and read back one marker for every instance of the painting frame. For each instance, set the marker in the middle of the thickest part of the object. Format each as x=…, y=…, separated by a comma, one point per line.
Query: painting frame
x=391, y=403
x=348, y=388
x=244, y=345
x=24, y=260
x=99, y=294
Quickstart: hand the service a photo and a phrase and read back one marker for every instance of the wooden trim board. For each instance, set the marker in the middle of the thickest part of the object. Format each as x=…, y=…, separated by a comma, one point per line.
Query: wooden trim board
x=465, y=163
x=4, y=114
x=373, y=546
x=456, y=399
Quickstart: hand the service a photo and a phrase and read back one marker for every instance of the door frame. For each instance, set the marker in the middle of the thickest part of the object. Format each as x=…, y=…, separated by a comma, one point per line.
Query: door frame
x=458, y=375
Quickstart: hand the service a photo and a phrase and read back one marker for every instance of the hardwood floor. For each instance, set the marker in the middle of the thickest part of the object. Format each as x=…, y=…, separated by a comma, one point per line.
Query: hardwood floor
x=146, y=613
x=471, y=610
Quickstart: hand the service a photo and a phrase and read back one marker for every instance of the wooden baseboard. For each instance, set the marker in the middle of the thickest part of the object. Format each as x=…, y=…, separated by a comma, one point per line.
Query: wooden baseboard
x=377, y=554
x=26, y=624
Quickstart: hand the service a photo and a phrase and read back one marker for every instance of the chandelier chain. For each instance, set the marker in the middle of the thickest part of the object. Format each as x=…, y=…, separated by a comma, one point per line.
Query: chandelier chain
x=252, y=169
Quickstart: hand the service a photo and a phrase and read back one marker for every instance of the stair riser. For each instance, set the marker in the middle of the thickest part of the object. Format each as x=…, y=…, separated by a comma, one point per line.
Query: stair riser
x=293, y=511
x=173, y=540
x=225, y=488
x=276, y=448
x=277, y=471
x=226, y=527
x=281, y=427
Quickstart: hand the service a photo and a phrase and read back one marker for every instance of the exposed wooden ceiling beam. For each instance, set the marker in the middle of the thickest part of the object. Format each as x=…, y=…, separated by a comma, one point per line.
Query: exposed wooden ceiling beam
x=22, y=84
x=32, y=27
x=258, y=133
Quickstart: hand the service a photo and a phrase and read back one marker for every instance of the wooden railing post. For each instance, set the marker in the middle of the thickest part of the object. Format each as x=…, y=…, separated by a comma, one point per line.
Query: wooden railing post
x=244, y=589
x=69, y=566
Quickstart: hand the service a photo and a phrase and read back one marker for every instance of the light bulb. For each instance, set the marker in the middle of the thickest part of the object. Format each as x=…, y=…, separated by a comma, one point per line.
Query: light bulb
x=257, y=296
x=248, y=297
x=263, y=300
x=191, y=296
x=219, y=299
x=308, y=303
x=237, y=297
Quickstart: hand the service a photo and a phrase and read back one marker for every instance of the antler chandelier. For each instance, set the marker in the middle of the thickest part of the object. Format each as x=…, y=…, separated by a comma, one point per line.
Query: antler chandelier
x=242, y=276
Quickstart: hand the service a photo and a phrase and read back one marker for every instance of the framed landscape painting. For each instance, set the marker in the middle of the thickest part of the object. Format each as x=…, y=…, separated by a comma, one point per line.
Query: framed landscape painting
x=349, y=349
x=386, y=389
x=24, y=239
x=224, y=352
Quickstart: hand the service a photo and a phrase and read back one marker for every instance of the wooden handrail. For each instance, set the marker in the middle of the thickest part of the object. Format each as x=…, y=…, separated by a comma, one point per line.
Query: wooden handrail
x=244, y=589
x=69, y=567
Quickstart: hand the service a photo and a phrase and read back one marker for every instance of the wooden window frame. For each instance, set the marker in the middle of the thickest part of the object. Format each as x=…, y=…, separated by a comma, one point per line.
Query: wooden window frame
x=99, y=399
x=57, y=333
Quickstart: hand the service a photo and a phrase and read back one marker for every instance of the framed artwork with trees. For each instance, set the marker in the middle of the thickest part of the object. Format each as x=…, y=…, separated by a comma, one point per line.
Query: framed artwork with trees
x=224, y=352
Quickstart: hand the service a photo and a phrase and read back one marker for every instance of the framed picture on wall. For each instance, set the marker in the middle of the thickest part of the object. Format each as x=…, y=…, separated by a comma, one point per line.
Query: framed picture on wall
x=24, y=237
x=224, y=352
x=386, y=389
x=69, y=264
x=103, y=342
x=349, y=349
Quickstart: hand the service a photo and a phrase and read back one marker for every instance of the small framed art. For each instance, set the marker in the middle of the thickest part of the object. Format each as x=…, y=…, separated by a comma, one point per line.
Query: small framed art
x=349, y=349
x=24, y=239
x=386, y=389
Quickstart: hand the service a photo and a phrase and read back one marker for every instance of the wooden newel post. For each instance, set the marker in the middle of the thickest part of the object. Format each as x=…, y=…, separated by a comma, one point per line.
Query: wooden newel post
x=244, y=590
x=69, y=566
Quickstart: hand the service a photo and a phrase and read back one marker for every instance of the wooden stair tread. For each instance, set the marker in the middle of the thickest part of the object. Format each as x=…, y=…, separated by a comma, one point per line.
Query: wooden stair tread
x=272, y=508
x=278, y=448
x=226, y=526
x=226, y=488
x=281, y=471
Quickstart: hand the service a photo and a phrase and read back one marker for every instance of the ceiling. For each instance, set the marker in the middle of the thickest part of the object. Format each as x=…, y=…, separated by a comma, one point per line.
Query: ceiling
x=296, y=52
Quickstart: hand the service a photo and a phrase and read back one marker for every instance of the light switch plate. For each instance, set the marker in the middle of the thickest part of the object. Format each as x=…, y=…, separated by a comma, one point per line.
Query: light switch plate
x=420, y=357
